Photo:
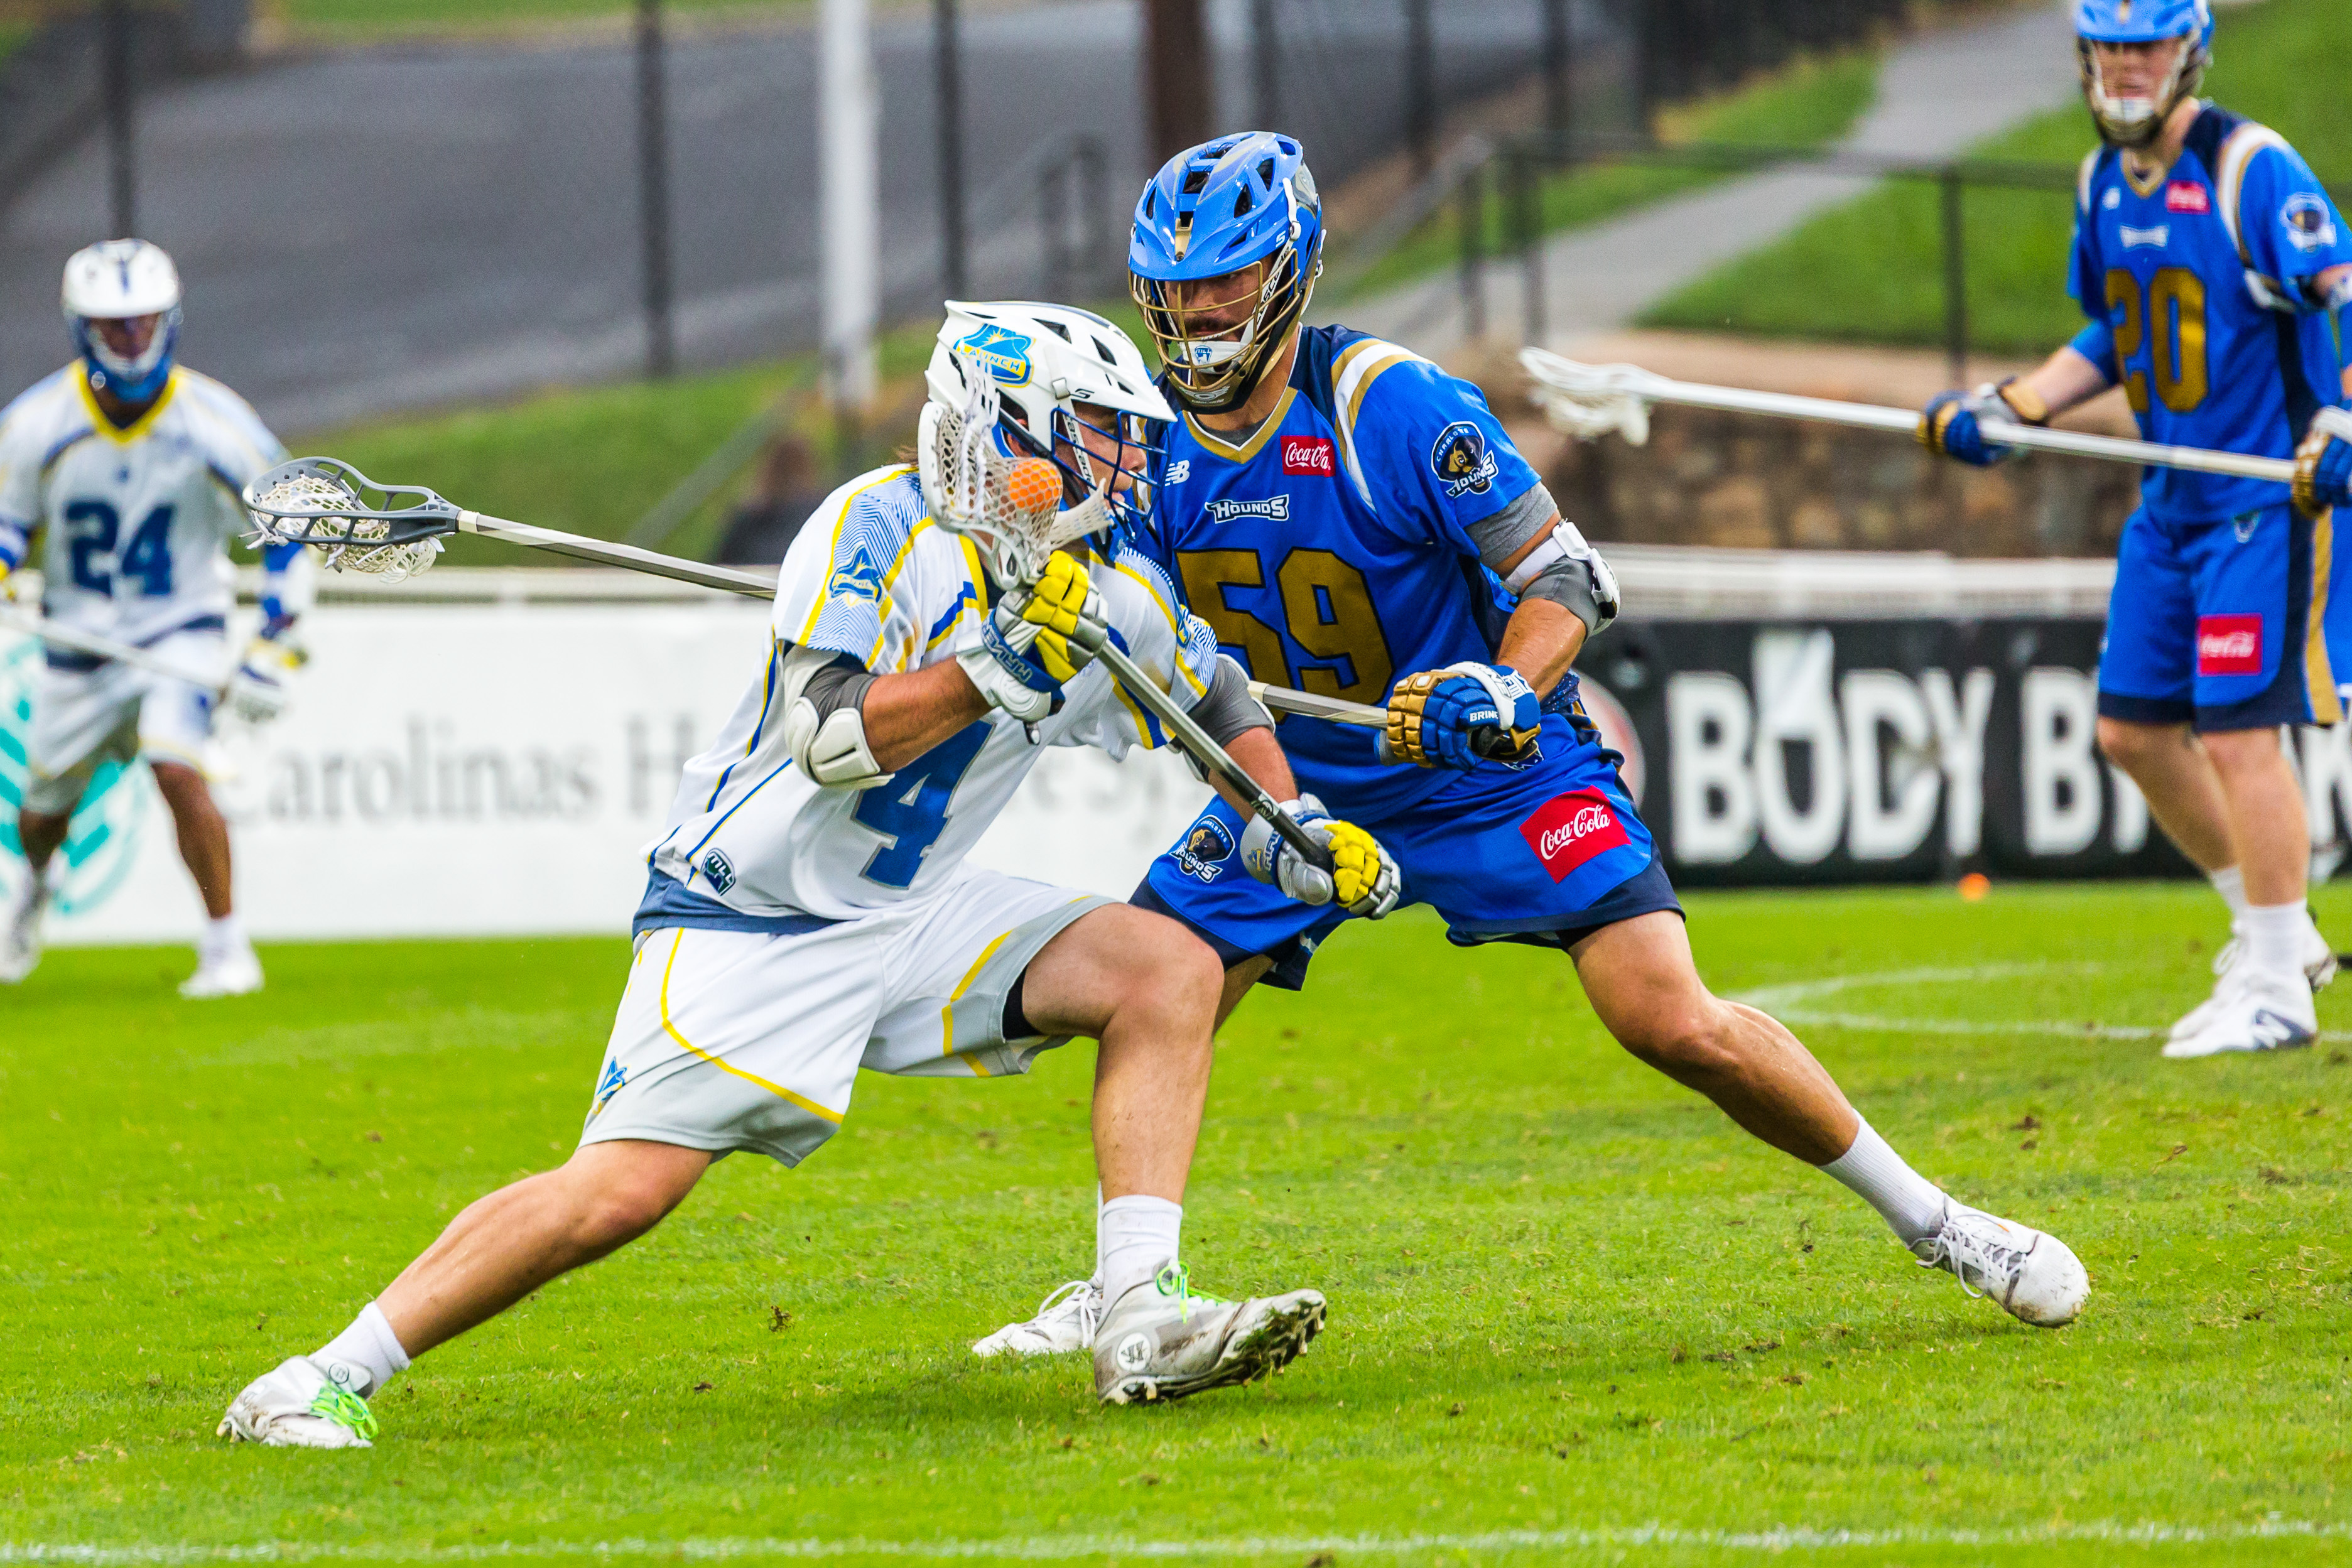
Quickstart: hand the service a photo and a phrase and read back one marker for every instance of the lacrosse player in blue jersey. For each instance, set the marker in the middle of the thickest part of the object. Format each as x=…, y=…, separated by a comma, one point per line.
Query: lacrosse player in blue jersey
x=2216, y=275
x=1354, y=521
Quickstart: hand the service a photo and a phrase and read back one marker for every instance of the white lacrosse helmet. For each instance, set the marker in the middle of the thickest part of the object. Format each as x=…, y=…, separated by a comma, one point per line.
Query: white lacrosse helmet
x=1045, y=360
x=116, y=280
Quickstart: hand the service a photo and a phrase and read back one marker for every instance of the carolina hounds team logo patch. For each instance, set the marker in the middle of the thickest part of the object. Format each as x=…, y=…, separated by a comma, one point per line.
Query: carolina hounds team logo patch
x=1206, y=849
x=1005, y=353
x=1275, y=508
x=1462, y=462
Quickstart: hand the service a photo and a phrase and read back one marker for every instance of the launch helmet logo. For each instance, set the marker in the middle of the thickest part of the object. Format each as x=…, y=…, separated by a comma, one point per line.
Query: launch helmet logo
x=1572, y=829
x=2230, y=645
x=1005, y=353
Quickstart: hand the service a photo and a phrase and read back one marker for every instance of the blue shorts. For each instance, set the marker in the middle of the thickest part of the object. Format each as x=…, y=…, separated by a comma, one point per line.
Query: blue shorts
x=2221, y=624
x=1545, y=854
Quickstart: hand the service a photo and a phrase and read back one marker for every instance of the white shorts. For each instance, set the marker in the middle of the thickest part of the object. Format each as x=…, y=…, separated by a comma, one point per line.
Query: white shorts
x=118, y=714
x=742, y=1039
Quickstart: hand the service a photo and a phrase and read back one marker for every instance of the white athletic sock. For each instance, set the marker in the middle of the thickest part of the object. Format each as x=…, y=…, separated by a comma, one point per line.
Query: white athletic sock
x=1908, y=1201
x=224, y=937
x=2272, y=934
x=2229, y=882
x=1133, y=1237
x=368, y=1345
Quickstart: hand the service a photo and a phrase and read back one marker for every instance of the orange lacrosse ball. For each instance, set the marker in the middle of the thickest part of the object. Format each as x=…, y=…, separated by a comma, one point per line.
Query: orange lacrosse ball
x=1034, y=486
x=1974, y=886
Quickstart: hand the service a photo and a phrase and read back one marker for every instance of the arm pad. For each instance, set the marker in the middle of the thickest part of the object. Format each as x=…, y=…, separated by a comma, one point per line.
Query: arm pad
x=1564, y=569
x=1226, y=710
x=824, y=726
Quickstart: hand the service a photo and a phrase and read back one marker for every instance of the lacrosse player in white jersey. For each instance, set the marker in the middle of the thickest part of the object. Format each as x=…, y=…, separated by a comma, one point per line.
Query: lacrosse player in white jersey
x=130, y=467
x=809, y=912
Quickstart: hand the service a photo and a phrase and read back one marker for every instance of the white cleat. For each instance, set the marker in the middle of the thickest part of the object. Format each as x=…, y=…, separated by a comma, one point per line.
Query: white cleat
x=237, y=974
x=1160, y=1341
x=1065, y=1322
x=2319, y=967
x=20, y=938
x=304, y=1403
x=2032, y=1274
x=2261, y=1011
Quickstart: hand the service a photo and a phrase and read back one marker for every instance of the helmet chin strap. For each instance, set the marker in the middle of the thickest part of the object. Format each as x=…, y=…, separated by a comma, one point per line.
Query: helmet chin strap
x=2139, y=133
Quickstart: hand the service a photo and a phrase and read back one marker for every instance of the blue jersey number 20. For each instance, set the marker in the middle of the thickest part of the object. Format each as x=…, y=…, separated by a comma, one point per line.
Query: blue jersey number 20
x=913, y=807
x=94, y=528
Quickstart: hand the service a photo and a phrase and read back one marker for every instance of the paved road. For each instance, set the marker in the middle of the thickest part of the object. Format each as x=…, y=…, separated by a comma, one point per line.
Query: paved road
x=373, y=229
x=1938, y=94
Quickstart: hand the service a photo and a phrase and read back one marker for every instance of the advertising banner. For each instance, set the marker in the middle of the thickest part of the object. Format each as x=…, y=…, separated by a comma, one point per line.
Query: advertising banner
x=1789, y=752
x=463, y=769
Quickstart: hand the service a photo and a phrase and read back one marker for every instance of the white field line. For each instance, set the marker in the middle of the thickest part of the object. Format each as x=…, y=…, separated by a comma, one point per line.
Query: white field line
x=1068, y=1548
x=1787, y=1003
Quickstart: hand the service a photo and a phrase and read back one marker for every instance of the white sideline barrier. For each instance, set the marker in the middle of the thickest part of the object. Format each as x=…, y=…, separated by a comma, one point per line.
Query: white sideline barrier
x=494, y=760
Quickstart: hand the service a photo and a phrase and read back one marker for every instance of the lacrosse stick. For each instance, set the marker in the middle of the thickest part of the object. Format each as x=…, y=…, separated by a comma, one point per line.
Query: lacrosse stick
x=395, y=531
x=249, y=698
x=1590, y=401
x=1011, y=509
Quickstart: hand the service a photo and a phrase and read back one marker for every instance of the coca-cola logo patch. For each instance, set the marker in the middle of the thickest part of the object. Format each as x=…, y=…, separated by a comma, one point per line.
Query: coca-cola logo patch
x=2186, y=196
x=1309, y=455
x=2230, y=645
x=1568, y=831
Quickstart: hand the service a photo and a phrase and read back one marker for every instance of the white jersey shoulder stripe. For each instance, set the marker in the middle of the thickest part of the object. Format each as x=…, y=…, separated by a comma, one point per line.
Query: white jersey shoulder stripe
x=1359, y=364
x=2083, y=177
x=873, y=529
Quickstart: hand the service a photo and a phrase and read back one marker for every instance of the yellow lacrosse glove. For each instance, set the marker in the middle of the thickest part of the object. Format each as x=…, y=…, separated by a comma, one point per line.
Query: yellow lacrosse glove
x=1059, y=604
x=1364, y=879
x=7, y=583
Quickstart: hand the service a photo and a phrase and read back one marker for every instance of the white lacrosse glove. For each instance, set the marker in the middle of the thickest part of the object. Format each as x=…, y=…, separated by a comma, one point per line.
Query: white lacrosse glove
x=1035, y=639
x=257, y=691
x=1363, y=879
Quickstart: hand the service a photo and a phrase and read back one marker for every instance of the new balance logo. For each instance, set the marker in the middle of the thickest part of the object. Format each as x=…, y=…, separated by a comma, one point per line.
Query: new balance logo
x=1274, y=509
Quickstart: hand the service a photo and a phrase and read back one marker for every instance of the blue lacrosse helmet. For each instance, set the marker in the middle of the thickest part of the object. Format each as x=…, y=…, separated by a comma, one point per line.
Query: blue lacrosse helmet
x=2138, y=120
x=1218, y=211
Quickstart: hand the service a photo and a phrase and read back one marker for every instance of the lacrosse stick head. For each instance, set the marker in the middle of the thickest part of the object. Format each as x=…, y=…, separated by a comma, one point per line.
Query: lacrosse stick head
x=393, y=531
x=980, y=483
x=1588, y=402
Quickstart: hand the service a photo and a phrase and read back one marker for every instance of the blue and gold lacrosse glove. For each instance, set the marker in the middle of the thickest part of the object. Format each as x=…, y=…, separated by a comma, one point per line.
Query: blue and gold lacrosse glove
x=258, y=692
x=1031, y=642
x=1363, y=879
x=2322, y=463
x=1437, y=718
x=1950, y=424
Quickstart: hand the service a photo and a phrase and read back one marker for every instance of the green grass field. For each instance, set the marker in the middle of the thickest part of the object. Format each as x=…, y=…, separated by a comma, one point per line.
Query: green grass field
x=1575, y=1315
x=1872, y=271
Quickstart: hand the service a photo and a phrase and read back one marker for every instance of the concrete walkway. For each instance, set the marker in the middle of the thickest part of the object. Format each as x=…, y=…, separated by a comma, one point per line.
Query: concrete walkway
x=1938, y=94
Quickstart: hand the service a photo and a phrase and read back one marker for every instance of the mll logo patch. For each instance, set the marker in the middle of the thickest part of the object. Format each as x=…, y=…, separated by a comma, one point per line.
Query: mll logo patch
x=719, y=869
x=1461, y=461
x=1005, y=353
x=859, y=578
x=1205, y=850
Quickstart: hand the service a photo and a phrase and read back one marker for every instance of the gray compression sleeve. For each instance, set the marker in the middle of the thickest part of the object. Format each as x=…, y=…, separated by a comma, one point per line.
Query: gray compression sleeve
x=1226, y=709
x=839, y=685
x=1565, y=581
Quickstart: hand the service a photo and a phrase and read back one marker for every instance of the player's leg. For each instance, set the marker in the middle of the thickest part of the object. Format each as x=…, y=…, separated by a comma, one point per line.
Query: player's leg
x=1256, y=933
x=175, y=725
x=2263, y=663
x=723, y=1040
x=81, y=717
x=1048, y=967
x=1643, y=986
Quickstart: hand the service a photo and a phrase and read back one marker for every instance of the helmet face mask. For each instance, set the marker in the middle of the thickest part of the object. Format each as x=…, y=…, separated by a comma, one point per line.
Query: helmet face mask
x=1226, y=249
x=2171, y=38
